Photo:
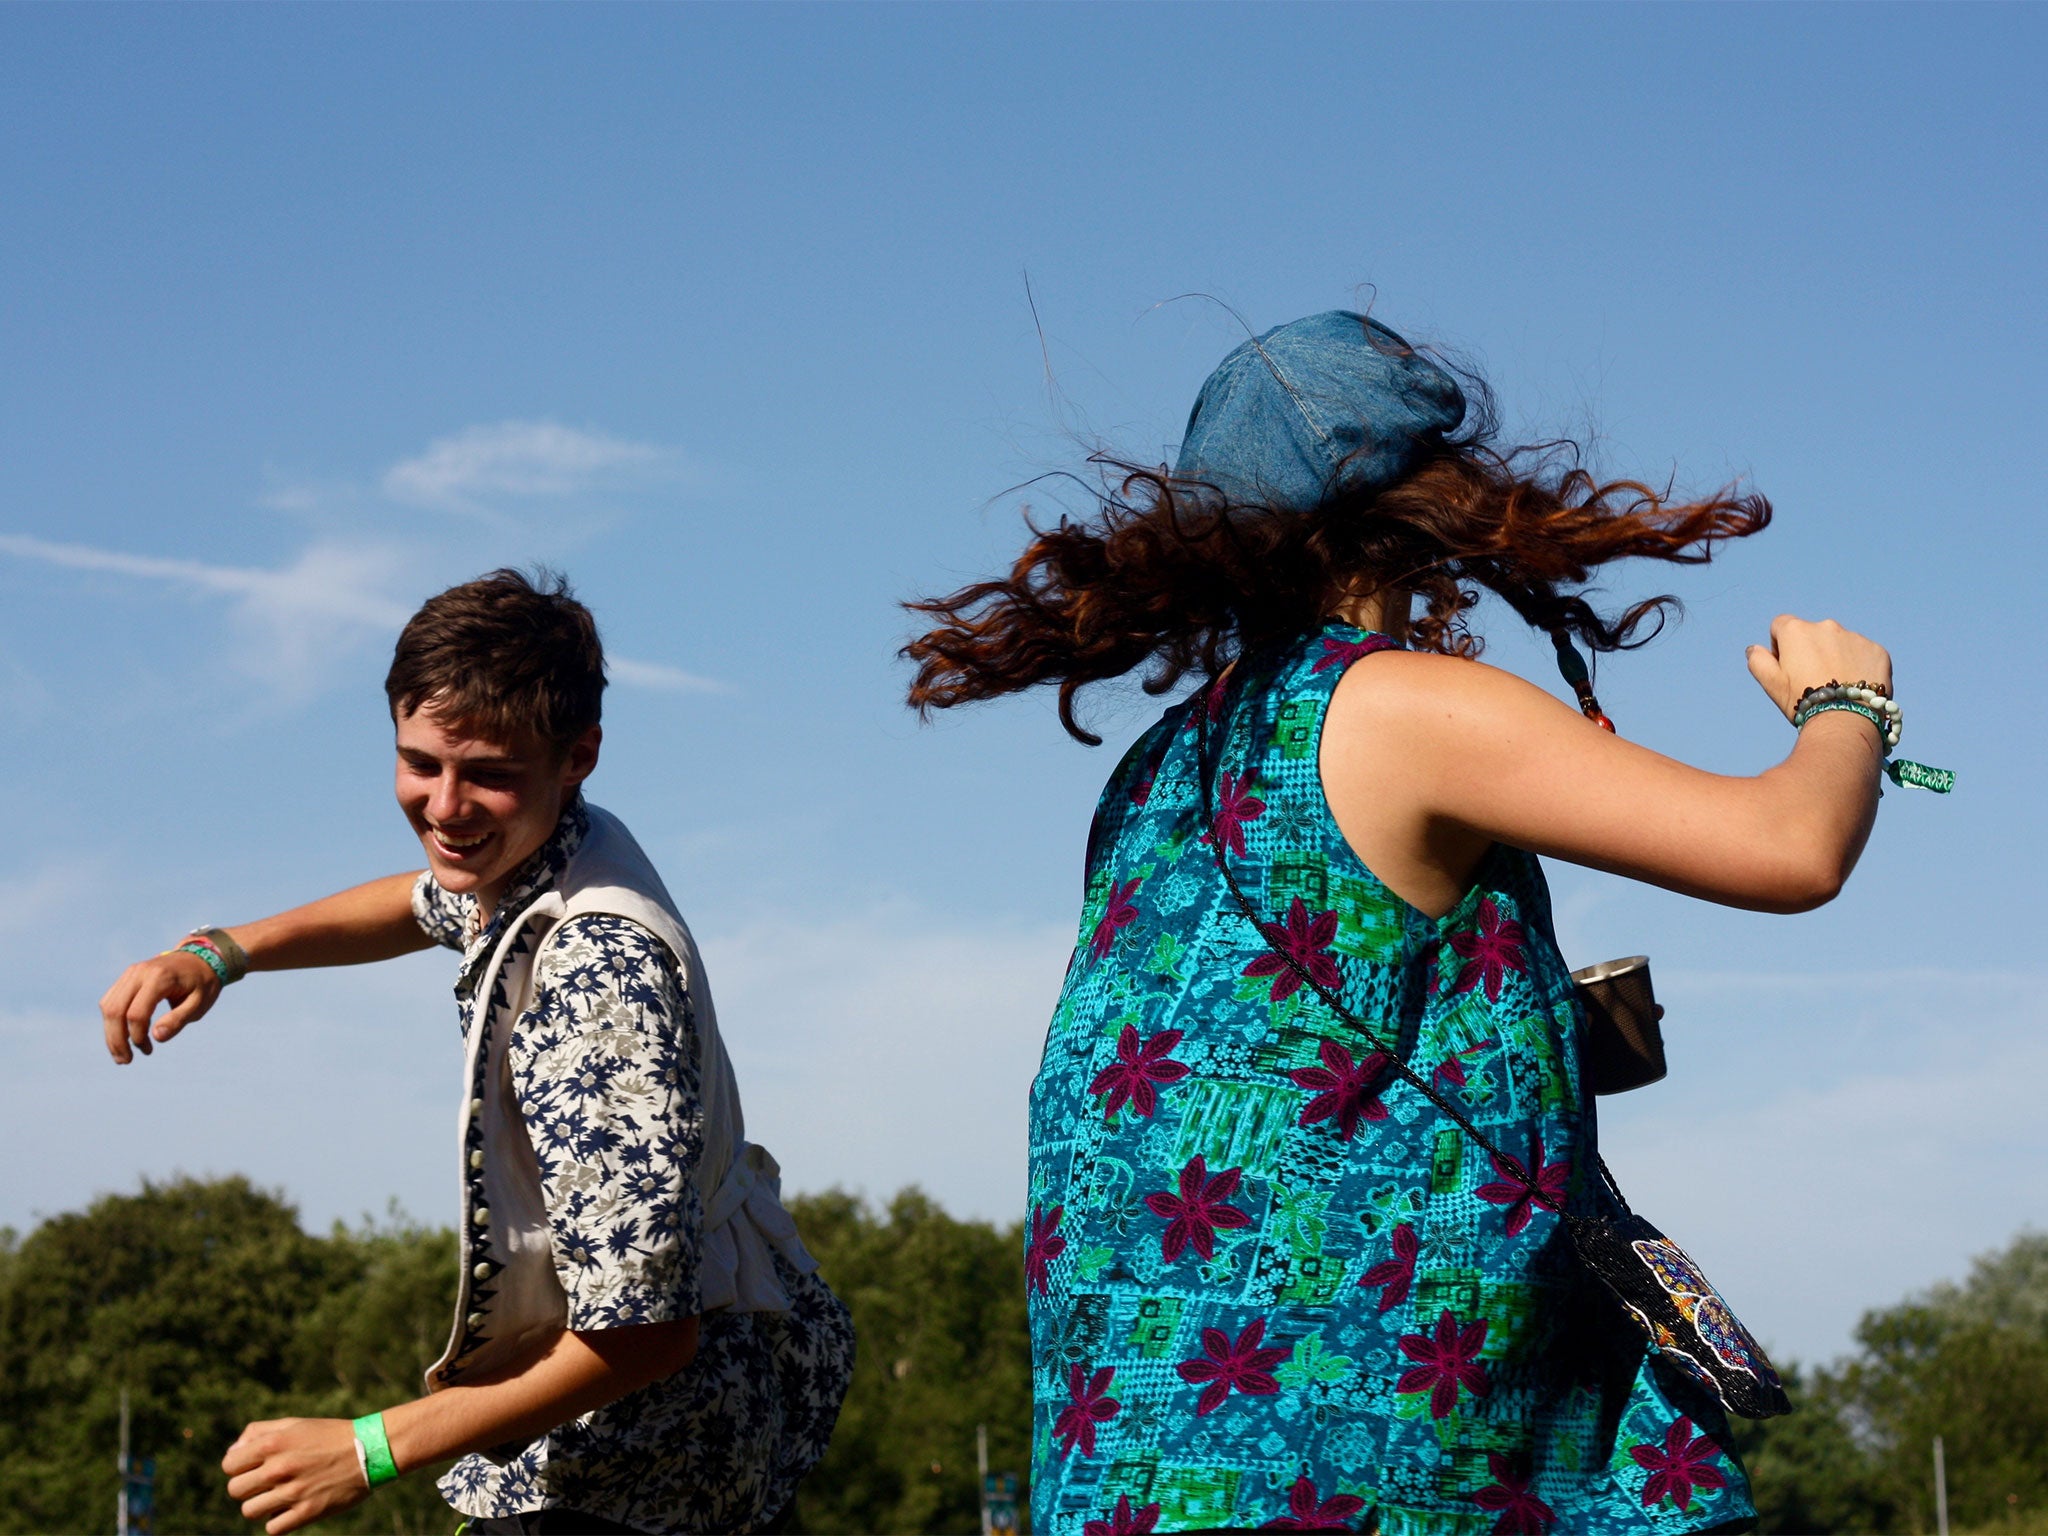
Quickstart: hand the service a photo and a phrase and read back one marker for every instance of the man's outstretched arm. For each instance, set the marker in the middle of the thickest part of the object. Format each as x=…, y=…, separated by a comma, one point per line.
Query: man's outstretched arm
x=352, y=927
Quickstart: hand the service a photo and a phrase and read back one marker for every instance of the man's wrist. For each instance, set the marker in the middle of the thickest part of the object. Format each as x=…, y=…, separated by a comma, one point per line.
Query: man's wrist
x=373, y=1450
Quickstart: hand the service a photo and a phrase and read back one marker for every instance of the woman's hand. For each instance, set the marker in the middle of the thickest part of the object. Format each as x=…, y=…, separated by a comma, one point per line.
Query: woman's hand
x=179, y=978
x=1803, y=655
x=291, y=1472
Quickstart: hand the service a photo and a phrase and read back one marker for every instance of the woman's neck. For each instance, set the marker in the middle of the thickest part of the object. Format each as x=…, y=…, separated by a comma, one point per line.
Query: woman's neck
x=1384, y=611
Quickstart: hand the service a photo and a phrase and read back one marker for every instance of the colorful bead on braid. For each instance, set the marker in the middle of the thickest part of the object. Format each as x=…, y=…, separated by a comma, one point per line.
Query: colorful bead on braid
x=1573, y=666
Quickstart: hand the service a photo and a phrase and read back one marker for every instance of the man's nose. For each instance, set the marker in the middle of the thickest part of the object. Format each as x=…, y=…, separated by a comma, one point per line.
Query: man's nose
x=447, y=802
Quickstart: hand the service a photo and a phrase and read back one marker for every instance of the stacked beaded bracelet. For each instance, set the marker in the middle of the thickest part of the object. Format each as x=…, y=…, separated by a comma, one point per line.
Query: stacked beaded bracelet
x=1881, y=710
x=227, y=959
x=1873, y=704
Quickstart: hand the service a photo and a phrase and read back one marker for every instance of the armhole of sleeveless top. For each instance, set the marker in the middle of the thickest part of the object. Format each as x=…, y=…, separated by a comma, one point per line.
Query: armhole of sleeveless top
x=1103, y=827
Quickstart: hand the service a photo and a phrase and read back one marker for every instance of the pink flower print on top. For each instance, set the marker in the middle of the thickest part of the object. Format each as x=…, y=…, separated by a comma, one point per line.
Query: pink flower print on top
x=1490, y=953
x=1451, y=1069
x=1517, y=1191
x=1445, y=1363
x=1117, y=914
x=1397, y=1274
x=1193, y=1217
x=1046, y=1245
x=1124, y=1521
x=1227, y=1367
x=1235, y=805
x=1091, y=1405
x=1341, y=653
x=1309, y=1511
x=1521, y=1512
x=1680, y=1467
x=1306, y=941
x=1343, y=1089
x=1130, y=1078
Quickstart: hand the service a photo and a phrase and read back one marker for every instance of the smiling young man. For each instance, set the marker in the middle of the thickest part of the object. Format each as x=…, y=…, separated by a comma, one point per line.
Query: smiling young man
x=640, y=1341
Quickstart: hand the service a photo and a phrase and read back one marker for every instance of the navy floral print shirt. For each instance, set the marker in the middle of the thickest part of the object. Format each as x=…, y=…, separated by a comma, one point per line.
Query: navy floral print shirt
x=1270, y=1284
x=604, y=1063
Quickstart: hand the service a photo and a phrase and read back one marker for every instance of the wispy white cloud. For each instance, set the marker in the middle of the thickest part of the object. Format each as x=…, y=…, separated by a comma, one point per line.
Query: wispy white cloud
x=296, y=616
x=293, y=619
x=463, y=472
x=660, y=677
x=326, y=579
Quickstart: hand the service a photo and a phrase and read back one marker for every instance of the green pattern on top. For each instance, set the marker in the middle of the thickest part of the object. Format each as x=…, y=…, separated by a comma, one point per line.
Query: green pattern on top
x=1270, y=1284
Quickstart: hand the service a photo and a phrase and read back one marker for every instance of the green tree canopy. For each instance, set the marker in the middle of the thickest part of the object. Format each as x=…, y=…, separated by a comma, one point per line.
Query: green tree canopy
x=1966, y=1361
x=210, y=1306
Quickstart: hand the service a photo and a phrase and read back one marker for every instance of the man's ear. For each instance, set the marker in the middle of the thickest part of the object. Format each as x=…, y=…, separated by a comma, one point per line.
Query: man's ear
x=581, y=757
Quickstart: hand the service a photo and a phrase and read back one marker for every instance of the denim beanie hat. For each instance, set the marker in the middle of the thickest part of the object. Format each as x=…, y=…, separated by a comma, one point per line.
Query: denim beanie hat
x=1320, y=406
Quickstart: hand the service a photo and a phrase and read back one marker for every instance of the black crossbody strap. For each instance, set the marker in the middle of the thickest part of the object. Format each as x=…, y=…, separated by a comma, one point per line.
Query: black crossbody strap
x=1205, y=776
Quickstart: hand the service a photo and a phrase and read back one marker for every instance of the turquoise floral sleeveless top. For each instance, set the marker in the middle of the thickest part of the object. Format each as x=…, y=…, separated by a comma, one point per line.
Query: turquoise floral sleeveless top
x=1271, y=1285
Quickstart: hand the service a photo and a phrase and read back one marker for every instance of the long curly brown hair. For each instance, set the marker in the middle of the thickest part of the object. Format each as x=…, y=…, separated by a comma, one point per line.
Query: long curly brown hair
x=1169, y=572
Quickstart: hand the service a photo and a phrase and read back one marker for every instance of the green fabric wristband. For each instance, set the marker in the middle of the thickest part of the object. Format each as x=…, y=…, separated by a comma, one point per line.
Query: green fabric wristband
x=378, y=1466
x=214, y=963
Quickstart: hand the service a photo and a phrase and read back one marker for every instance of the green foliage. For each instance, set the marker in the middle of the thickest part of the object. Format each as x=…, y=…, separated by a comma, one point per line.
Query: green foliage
x=209, y=1305
x=1966, y=1362
x=938, y=1305
x=212, y=1307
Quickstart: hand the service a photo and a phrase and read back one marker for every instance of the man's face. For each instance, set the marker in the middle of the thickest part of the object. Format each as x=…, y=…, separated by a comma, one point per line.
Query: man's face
x=482, y=808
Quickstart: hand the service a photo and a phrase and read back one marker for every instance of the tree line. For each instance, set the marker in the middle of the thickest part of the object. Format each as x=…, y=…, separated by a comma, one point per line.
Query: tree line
x=209, y=1304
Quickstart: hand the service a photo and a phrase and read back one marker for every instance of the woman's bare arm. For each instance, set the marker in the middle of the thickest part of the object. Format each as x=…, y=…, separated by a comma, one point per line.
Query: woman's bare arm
x=1429, y=759
x=353, y=927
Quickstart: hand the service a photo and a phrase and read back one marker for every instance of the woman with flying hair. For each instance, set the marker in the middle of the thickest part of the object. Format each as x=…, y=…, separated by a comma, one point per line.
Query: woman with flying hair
x=1273, y=1283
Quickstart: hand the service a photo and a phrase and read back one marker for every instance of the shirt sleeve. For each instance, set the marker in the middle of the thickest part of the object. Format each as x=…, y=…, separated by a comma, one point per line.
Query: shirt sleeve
x=436, y=912
x=604, y=1063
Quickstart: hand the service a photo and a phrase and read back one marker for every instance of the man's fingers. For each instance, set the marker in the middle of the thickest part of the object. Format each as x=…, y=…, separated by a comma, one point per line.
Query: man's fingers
x=114, y=1020
x=190, y=1009
x=271, y=1501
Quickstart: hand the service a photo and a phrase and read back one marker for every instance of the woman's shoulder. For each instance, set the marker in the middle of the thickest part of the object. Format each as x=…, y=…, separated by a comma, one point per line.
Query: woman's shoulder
x=1422, y=686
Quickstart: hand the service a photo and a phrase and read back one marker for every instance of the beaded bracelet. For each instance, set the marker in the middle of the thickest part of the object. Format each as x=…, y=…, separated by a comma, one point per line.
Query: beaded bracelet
x=1878, y=707
x=1875, y=705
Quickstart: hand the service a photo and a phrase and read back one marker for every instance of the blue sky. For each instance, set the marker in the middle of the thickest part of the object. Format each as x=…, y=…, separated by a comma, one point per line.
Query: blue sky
x=311, y=311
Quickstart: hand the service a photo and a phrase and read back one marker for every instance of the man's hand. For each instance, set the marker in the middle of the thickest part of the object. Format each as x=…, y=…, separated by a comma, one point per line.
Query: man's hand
x=179, y=978
x=291, y=1472
x=352, y=927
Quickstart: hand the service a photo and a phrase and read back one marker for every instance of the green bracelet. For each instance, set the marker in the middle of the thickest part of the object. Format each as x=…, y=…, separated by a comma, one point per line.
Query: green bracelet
x=214, y=963
x=378, y=1466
